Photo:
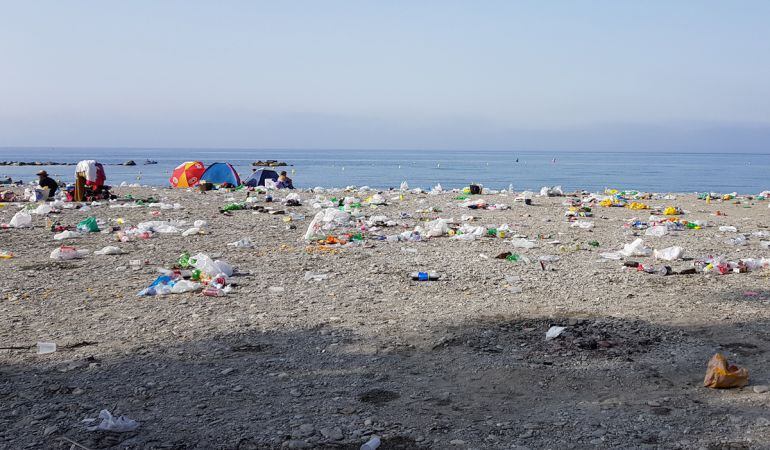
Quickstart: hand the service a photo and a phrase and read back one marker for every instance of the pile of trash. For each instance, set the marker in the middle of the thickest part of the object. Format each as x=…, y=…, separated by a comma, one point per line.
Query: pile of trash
x=191, y=274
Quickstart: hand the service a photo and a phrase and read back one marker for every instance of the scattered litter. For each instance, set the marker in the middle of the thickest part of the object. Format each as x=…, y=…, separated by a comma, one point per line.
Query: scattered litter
x=121, y=424
x=554, y=332
x=66, y=253
x=109, y=250
x=374, y=442
x=44, y=348
x=636, y=248
x=242, y=243
x=721, y=375
x=21, y=219
x=425, y=276
x=309, y=276
x=668, y=254
x=66, y=234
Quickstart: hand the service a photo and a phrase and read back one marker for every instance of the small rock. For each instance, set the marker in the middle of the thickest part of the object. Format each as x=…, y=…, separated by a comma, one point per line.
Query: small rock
x=457, y=442
x=227, y=371
x=333, y=434
x=50, y=430
x=762, y=422
x=295, y=444
x=238, y=388
x=306, y=429
x=761, y=388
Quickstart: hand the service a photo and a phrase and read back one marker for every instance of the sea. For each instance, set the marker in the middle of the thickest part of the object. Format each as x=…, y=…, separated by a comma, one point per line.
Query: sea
x=523, y=170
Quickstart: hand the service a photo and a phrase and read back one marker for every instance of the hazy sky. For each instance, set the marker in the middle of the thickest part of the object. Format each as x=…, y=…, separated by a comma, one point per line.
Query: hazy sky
x=524, y=75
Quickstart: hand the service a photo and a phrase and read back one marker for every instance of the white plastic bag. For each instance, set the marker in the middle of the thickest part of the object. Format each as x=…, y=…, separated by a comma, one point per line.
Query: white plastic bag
x=211, y=267
x=65, y=253
x=191, y=231
x=656, y=230
x=42, y=209
x=120, y=424
x=109, y=250
x=582, y=224
x=522, y=243
x=636, y=248
x=242, y=243
x=66, y=234
x=182, y=286
x=554, y=332
x=21, y=219
x=668, y=254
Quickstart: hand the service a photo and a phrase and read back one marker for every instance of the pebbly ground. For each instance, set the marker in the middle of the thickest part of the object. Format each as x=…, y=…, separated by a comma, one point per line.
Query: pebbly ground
x=456, y=363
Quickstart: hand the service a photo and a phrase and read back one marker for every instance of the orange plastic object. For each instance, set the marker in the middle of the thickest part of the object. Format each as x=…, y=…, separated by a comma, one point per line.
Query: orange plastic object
x=721, y=375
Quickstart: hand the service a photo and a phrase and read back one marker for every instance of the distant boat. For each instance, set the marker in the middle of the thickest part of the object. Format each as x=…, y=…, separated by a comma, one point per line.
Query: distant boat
x=553, y=160
x=149, y=161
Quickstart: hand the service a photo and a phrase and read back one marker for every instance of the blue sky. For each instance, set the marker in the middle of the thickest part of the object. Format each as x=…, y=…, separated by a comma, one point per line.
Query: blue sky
x=522, y=75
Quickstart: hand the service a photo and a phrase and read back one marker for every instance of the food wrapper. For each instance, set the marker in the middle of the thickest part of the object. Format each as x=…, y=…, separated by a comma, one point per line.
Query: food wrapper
x=721, y=375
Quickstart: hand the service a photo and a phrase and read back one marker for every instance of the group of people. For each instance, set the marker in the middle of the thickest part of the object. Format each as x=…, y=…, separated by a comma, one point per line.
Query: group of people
x=46, y=182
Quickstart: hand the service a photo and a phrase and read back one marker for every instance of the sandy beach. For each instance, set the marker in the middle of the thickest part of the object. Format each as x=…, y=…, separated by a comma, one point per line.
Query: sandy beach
x=321, y=346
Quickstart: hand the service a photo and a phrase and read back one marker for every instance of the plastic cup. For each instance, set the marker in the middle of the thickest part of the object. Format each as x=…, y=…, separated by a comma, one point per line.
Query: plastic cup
x=46, y=347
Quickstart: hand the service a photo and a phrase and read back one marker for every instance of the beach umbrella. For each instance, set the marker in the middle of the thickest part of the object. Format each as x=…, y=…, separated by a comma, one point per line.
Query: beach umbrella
x=187, y=174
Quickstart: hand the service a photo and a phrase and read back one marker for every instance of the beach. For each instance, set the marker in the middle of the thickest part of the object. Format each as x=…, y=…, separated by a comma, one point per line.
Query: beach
x=325, y=346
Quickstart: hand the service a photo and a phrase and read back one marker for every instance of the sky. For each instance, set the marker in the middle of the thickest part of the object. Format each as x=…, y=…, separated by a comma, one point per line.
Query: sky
x=685, y=75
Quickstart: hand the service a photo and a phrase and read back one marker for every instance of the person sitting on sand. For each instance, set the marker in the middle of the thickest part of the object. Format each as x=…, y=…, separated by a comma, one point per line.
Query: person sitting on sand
x=284, y=182
x=44, y=181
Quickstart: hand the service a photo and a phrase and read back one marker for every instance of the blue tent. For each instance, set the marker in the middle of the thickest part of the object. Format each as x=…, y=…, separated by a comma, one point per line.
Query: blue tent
x=219, y=173
x=258, y=177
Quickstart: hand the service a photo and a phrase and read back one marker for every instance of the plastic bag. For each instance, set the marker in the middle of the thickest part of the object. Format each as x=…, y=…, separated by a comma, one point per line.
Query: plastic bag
x=191, y=231
x=211, y=267
x=635, y=248
x=88, y=225
x=242, y=243
x=66, y=234
x=721, y=375
x=522, y=243
x=42, y=210
x=182, y=286
x=657, y=231
x=668, y=254
x=120, y=424
x=65, y=253
x=109, y=250
x=21, y=219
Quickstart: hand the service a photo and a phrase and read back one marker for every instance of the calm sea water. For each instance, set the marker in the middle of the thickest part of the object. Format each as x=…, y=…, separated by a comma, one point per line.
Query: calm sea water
x=659, y=172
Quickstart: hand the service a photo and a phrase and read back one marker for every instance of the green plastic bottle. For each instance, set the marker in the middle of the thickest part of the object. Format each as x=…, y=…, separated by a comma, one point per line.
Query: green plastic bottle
x=513, y=257
x=232, y=207
x=184, y=260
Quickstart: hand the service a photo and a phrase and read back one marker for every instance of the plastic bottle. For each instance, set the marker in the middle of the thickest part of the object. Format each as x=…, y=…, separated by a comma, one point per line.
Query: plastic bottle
x=371, y=444
x=184, y=260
